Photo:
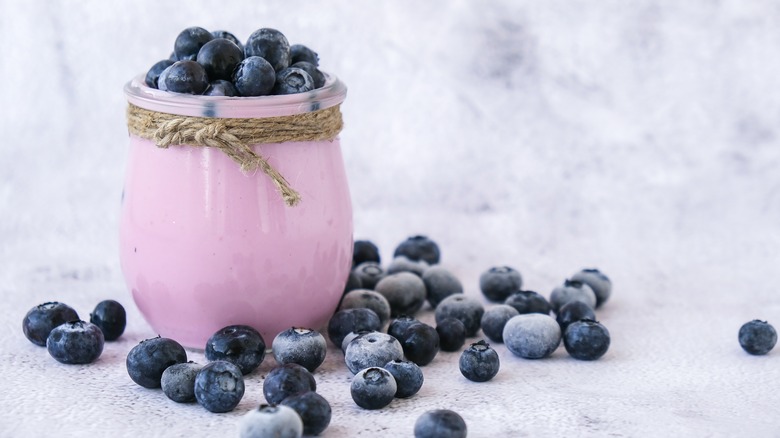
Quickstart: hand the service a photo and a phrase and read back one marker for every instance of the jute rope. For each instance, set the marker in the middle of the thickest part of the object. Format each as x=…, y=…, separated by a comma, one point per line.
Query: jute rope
x=234, y=137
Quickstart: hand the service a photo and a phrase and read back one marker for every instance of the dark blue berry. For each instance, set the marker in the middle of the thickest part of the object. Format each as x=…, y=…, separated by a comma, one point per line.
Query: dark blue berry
x=572, y=291
x=573, y=311
x=528, y=301
x=369, y=273
x=465, y=308
x=178, y=381
x=228, y=36
x=364, y=251
x=189, y=42
x=287, y=380
x=314, y=410
x=161, y=84
x=373, y=388
x=369, y=299
x=41, y=320
x=303, y=346
x=497, y=283
x=271, y=45
x=293, y=80
x=239, y=344
x=586, y=339
x=316, y=75
x=452, y=334
x=373, y=349
x=479, y=362
x=600, y=283
x=254, y=76
x=221, y=88
x=404, y=291
x=346, y=321
x=154, y=73
x=111, y=317
x=439, y=284
x=187, y=77
x=757, y=337
x=276, y=421
x=301, y=53
x=408, y=377
x=420, y=343
x=219, y=386
x=148, y=360
x=494, y=319
x=440, y=423
x=75, y=342
x=398, y=326
x=532, y=335
x=419, y=248
x=220, y=57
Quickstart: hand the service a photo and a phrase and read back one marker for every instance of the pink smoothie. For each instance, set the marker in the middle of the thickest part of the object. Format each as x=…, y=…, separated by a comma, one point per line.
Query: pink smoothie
x=203, y=245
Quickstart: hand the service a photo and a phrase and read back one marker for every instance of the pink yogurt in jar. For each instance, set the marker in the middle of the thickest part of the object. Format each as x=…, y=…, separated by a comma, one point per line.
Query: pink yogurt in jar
x=204, y=245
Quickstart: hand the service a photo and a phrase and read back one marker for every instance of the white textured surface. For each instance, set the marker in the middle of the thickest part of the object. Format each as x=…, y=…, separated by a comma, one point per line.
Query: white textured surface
x=638, y=137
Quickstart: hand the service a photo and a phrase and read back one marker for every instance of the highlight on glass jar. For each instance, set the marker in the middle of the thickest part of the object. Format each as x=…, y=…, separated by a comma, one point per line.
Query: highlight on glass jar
x=236, y=210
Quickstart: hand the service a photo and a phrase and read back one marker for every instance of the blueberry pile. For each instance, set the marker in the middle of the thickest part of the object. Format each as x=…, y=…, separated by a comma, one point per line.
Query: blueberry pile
x=218, y=64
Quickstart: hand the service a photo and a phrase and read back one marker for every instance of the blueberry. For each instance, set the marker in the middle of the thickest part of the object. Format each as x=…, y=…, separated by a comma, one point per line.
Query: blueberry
x=316, y=75
x=292, y=80
x=178, y=381
x=369, y=299
x=467, y=309
x=220, y=57
x=303, y=346
x=301, y=53
x=572, y=291
x=573, y=311
x=373, y=388
x=757, y=337
x=161, y=84
x=586, y=339
x=351, y=320
x=372, y=350
x=404, y=291
x=498, y=282
x=271, y=45
x=314, y=410
x=189, y=42
x=228, y=36
x=286, y=380
x=528, y=301
x=41, y=319
x=352, y=336
x=597, y=281
x=221, y=88
x=219, y=386
x=532, y=335
x=494, y=319
x=271, y=421
x=452, y=334
x=154, y=72
x=440, y=423
x=111, y=317
x=75, y=342
x=254, y=76
x=405, y=264
x=408, y=377
x=479, y=362
x=239, y=344
x=398, y=326
x=187, y=77
x=369, y=273
x=419, y=248
x=148, y=360
x=420, y=343
x=439, y=284
x=353, y=282
x=364, y=251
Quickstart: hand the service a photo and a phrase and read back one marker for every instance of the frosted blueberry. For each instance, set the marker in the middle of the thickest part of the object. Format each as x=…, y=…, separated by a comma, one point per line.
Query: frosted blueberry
x=404, y=291
x=369, y=273
x=41, y=320
x=271, y=45
x=498, y=282
x=405, y=264
x=187, y=77
x=528, y=301
x=178, y=381
x=364, y=251
x=316, y=75
x=286, y=380
x=219, y=386
x=420, y=343
x=408, y=377
x=399, y=325
x=147, y=361
x=574, y=311
x=419, y=248
x=352, y=336
x=241, y=345
x=271, y=421
x=452, y=334
x=220, y=57
x=532, y=335
x=467, y=309
x=439, y=284
x=373, y=388
x=303, y=346
x=346, y=321
x=479, y=362
x=75, y=342
x=757, y=337
x=221, y=87
x=586, y=339
x=372, y=350
x=153, y=74
x=314, y=410
x=254, y=76
x=494, y=319
x=600, y=283
x=440, y=423
x=189, y=42
x=299, y=52
x=111, y=317
x=292, y=80
x=369, y=299
x=572, y=291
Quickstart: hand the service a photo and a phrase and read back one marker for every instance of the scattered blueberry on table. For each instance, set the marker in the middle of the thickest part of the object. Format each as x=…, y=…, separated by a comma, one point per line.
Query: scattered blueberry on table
x=314, y=410
x=373, y=388
x=42, y=319
x=586, y=339
x=302, y=346
x=147, y=361
x=111, y=317
x=440, y=423
x=240, y=344
x=286, y=380
x=757, y=337
x=276, y=421
x=75, y=342
x=479, y=362
x=498, y=282
x=178, y=381
x=219, y=386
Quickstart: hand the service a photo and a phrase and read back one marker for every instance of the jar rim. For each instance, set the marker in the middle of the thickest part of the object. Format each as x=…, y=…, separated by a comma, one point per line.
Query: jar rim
x=331, y=94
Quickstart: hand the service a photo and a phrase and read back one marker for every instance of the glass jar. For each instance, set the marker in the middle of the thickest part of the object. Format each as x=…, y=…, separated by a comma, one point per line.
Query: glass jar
x=205, y=244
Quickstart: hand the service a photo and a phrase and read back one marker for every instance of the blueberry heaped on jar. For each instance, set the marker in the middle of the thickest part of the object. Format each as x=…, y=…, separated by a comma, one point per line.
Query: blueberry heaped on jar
x=220, y=57
x=271, y=45
x=293, y=80
x=189, y=42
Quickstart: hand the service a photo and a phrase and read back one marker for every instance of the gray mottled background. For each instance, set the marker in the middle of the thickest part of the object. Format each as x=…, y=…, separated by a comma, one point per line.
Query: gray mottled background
x=638, y=137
